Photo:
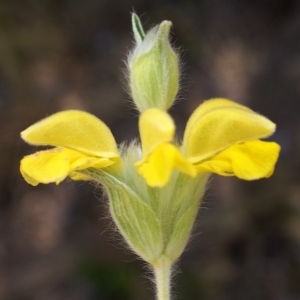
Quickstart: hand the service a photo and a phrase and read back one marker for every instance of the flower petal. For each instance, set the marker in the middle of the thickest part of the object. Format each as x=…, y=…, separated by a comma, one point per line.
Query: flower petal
x=56, y=164
x=76, y=130
x=220, y=123
x=248, y=160
x=90, y=162
x=77, y=176
x=209, y=105
x=156, y=127
x=158, y=166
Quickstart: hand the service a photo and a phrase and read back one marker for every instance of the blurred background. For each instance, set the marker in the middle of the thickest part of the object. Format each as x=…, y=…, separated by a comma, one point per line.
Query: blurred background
x=57, y=242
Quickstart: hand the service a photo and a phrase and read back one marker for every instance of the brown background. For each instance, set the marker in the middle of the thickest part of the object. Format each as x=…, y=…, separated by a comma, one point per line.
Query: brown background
x=57, y=242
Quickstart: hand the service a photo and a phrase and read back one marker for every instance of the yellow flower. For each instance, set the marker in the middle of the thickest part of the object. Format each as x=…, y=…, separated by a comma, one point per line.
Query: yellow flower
x=220, y=137
x=82, y=141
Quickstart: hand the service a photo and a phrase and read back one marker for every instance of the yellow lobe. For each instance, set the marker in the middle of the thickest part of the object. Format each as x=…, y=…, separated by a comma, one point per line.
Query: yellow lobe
x=209, y=105
x=77, y=176
x=56, y=164
x=76, y=130
x=248, y=160
x=156, y=127
x=158, y=166
x=220, y=123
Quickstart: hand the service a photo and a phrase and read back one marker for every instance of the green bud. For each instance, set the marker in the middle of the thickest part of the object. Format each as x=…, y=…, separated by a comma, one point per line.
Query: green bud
x=153, y=67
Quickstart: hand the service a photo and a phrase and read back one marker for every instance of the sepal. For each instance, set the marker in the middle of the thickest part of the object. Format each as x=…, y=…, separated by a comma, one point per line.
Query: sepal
x=155, y=222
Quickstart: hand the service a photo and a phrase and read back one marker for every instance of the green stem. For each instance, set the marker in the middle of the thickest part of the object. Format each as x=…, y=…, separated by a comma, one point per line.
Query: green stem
x=162, y=272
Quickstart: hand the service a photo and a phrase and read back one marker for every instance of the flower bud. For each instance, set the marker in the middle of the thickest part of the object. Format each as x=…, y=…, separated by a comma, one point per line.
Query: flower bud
x=153, y=67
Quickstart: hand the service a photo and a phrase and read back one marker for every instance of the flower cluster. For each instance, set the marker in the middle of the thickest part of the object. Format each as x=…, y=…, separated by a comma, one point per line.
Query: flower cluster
x=220, y=137
x=154, y=189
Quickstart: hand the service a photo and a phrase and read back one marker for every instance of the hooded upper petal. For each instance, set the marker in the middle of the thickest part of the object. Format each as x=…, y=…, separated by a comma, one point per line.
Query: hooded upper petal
x=156, y=127
x=75, y=130
x=220, y=123
x=160, y=157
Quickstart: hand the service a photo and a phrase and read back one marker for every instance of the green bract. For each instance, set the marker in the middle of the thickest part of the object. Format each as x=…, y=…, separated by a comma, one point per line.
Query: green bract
x=156, y=222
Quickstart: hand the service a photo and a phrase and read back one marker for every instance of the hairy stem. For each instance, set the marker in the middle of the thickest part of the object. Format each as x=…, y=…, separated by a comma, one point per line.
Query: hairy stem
x=162, y=271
